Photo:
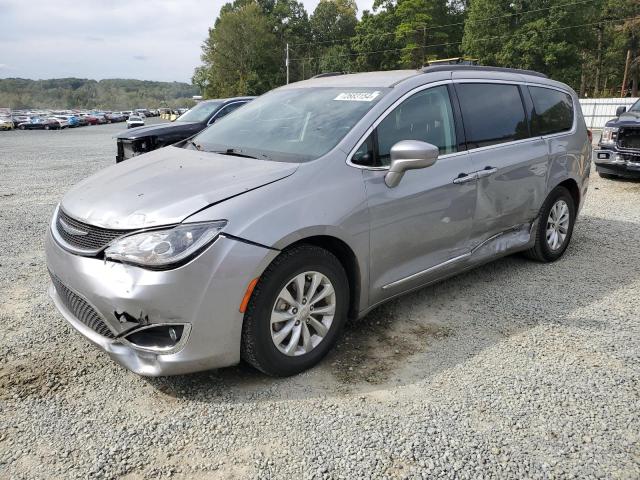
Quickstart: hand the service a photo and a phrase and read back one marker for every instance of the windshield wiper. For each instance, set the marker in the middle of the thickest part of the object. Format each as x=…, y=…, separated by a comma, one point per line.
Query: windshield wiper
x=235, y=153
x=195, y=145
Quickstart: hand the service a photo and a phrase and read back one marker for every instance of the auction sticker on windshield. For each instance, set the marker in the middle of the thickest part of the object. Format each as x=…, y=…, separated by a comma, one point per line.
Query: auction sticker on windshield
x=357, y=96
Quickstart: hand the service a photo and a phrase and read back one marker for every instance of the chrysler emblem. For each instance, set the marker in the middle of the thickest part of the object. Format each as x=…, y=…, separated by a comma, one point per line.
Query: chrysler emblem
x=71, y=230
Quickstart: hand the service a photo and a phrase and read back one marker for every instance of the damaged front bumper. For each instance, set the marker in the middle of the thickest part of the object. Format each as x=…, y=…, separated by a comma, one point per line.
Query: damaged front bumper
x=612, y=162
x=199, y=301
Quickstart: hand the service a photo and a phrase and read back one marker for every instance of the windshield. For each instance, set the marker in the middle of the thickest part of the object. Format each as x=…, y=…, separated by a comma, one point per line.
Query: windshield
x=635, y=107
x=199, y=113
x=290, y=125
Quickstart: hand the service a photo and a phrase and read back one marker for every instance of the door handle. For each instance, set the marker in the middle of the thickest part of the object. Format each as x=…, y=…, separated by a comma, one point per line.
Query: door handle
x=464, y=178
x=486, y=172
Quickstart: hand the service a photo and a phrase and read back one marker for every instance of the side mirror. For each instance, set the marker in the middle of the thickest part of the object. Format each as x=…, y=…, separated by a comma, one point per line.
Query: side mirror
x=409, y=155
x=620, y=111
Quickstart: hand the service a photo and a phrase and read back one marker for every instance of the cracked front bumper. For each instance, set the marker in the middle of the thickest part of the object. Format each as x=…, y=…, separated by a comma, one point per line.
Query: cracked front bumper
x=205, y=294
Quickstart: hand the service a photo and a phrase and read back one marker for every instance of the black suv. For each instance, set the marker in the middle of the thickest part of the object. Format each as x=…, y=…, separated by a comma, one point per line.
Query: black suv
x=618, y=153
x=144, y=139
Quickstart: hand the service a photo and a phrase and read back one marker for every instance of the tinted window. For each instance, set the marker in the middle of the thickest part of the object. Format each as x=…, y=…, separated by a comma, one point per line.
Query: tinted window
x=492, y=113
x=228, y=109
x=553, y=111
x=425, y=116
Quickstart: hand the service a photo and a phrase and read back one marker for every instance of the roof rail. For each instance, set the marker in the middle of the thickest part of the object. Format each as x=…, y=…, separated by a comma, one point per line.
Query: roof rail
x=328, y=74
x=480, y=68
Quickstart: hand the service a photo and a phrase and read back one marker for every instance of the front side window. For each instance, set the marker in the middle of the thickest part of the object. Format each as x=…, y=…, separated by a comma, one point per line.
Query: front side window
x=426, y=116
x=226, y=110
x=291, y=124
x=553, y=111
x=492, y=113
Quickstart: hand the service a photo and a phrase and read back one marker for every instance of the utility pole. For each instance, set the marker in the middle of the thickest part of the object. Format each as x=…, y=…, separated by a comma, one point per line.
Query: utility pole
x=596, y=87
x=626, y=73
x=286, y=63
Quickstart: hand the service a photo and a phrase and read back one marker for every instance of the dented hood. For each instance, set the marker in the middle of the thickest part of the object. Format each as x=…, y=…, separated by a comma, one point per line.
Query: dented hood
x=166, y=186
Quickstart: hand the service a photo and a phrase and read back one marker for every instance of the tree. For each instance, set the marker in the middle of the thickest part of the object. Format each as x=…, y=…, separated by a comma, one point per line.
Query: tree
x=531, y=35
x=241, y=55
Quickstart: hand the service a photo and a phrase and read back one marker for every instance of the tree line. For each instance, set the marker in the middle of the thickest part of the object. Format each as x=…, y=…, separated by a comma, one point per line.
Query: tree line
x=111, y=94
x=587, y=44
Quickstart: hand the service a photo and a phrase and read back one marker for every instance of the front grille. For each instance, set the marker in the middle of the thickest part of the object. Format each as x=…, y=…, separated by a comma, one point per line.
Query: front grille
x=81, y=309
x=629, y=139
x=94, y=238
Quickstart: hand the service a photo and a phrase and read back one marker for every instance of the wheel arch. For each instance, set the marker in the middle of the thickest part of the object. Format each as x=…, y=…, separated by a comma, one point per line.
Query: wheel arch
x=571, y=185
x=347, y=257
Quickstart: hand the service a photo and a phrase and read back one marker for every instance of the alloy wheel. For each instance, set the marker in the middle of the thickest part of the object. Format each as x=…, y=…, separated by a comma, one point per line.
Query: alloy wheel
x=303, y=313
x=558, y=225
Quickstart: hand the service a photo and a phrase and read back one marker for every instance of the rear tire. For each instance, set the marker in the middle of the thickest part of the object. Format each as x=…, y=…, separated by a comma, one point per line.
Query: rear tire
x=553, y=234
x=311, y=335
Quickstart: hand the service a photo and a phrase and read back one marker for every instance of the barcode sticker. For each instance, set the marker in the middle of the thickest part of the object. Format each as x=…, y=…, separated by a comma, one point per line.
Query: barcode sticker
x=357, y=96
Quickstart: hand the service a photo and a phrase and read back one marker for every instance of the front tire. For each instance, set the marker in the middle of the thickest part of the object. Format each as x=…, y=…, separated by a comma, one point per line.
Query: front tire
x=296, y=311
x=555, y=226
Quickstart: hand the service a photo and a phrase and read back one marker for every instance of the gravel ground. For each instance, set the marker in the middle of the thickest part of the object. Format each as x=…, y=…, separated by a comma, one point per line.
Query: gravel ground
x=513, y=370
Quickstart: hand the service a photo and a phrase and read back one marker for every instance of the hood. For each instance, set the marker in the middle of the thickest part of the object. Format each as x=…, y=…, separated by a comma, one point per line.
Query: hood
x=166, y=186
x=188, y=128
x=627, y=119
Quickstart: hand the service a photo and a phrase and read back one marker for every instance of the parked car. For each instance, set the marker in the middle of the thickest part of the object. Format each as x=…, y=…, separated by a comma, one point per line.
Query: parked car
x=135, y=121
x=91, y=119
x=64, y=120
x=6, y=123
x=20, y=118
x=40, y=124
x=72, y=120
x=115, y=117
x=316, y=202
x=82, y=121
x=131, y=144
x=618, y=153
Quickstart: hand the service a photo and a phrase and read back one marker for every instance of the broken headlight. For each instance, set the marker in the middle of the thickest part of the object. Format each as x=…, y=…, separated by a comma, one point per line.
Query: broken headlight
x=164, y=248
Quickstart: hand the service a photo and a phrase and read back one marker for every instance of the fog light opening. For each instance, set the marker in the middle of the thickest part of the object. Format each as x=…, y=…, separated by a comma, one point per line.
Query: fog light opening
x=159, y=338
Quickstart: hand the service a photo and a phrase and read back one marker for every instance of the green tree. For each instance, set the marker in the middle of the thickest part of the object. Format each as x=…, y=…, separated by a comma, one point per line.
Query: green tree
x=241, y=54
x=530, y=35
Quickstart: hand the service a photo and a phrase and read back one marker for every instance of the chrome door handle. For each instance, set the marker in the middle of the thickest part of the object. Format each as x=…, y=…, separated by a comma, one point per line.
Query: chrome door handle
x=487, y=172
x=464, y=178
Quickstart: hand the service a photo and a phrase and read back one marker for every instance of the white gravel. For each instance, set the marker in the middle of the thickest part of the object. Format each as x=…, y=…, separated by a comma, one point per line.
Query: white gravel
x=514, y=370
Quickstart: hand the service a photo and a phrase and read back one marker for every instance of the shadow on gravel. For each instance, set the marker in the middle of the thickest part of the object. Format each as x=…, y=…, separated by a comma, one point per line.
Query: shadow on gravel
x=425, y=333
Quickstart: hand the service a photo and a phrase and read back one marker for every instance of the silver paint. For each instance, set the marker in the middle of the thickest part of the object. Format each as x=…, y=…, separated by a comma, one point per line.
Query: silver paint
x=427, y=227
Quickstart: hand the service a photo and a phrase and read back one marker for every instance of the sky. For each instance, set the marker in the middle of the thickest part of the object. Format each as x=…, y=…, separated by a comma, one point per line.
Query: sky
x=143, y=39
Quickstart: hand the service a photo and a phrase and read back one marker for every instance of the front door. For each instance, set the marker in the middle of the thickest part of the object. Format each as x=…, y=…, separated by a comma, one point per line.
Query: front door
x=421, y=227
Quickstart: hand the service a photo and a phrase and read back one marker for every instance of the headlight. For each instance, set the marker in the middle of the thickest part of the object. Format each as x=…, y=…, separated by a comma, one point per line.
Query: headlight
x=609, y=136
x=162, y=248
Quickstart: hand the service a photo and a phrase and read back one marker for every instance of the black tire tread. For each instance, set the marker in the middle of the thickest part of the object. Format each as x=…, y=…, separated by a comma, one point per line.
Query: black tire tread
x=248, y=343
x=536, y=253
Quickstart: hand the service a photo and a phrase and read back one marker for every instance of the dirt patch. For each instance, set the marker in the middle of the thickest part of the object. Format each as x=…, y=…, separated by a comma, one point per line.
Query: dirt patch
x=373, y=348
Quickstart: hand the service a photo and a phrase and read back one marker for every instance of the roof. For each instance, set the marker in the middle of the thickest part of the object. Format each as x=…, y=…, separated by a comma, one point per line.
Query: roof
x=226, y=100
x=392, y=77
x=364, y=79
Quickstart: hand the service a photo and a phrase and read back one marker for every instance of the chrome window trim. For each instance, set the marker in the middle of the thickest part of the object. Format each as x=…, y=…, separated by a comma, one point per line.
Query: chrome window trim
x=215, y=115
x=523, y=83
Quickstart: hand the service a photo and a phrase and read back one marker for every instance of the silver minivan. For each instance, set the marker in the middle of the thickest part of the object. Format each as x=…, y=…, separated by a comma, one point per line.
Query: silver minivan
x=258, y=238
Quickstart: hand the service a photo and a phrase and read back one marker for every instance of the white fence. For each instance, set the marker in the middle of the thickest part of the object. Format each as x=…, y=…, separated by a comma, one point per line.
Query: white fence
x=597, y=111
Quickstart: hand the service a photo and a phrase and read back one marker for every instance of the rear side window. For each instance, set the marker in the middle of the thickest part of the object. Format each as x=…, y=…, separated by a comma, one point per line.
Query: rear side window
x=553, y=111
x=492, y=113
